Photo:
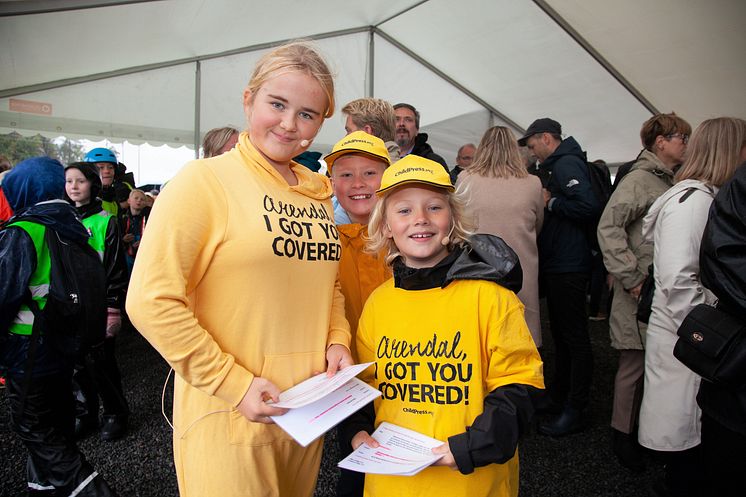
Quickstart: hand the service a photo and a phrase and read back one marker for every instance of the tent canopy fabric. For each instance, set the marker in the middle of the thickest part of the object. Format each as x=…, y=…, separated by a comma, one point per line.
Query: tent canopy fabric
x=166, y=71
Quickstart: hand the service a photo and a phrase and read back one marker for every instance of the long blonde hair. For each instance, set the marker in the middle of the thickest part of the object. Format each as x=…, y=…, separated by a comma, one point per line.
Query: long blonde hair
x=714, y=151
x=498, y=155
x=295, y=56
x=462, y=224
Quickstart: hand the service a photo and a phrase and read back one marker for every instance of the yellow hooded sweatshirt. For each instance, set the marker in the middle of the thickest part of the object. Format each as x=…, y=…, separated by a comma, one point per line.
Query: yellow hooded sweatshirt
x=237, y=277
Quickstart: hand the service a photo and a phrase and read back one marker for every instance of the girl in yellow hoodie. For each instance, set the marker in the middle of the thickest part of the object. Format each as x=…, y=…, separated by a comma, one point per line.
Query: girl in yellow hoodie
x=241, y=296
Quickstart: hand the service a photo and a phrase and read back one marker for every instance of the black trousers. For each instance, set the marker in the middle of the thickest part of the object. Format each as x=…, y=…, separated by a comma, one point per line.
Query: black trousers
x=565, y=293
x=98, y=376
x=350, y=483
x=45, y=426
x=597, y=288
x=724, y=451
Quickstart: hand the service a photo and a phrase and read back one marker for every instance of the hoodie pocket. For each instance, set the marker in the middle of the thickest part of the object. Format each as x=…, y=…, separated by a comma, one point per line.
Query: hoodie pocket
x=284, y=371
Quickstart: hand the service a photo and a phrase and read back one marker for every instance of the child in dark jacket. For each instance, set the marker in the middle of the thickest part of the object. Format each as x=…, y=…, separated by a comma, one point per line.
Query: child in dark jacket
x=40, y=399
x=98, y=375
x=133, y=225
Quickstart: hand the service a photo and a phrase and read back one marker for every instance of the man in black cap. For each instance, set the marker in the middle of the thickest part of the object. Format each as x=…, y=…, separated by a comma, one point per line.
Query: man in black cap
x=408, y=135
x=565, y=266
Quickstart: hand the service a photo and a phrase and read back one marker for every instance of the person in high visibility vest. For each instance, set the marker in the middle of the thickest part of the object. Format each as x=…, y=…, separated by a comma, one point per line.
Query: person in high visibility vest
x=99, y=375
x=41, y=402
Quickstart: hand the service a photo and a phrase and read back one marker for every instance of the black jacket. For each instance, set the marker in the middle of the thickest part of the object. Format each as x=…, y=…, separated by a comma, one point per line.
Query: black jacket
x=563, y=241
x=722, y=269
x=423, y=149
x=114, y=262
x=17, y=264
x=507, y=411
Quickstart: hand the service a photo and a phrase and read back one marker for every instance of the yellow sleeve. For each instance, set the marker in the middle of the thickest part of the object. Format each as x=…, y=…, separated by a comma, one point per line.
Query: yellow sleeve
x=512, y=354
x=339, y=328
x=185, y=228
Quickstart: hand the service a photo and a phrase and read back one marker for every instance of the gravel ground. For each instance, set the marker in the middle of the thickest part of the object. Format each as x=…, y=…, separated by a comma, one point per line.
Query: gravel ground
x=141, y=464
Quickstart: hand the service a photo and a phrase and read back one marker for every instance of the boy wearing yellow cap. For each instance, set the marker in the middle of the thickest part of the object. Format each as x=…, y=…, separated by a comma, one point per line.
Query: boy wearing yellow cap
x=356, y=165
x=454, y=357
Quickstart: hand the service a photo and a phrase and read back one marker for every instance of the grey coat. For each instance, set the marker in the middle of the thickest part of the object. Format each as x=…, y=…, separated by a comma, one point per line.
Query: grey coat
x=626, y=254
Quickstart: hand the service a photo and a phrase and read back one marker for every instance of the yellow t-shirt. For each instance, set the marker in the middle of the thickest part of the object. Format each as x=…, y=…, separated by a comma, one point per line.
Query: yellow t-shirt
x=438, y=353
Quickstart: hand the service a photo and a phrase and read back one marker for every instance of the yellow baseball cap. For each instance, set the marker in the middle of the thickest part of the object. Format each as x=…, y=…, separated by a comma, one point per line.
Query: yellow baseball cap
x=415, y=169
x=359, y=142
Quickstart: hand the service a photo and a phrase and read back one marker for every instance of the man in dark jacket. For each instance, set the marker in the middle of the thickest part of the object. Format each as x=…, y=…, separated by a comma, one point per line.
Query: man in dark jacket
x=408, y=135
x=564, y=266
x=722, y=268
x=40, y=402
x=464, y=158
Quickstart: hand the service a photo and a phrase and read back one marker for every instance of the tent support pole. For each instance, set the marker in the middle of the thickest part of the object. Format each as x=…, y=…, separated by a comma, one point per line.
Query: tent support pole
x=450, y=80
x=197, y=105
x=565, y=26
x=371, y=63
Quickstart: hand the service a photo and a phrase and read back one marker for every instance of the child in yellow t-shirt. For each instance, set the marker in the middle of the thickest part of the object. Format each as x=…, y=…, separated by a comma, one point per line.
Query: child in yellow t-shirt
x=454, y=356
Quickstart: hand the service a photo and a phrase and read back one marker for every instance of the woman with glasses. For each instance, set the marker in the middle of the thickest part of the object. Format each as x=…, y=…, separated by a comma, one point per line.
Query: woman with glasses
x=627, y=257
x=669, y=415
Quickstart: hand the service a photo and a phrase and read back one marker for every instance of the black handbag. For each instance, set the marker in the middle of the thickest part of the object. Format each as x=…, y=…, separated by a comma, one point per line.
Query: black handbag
x=645, y=301
x=712, y=343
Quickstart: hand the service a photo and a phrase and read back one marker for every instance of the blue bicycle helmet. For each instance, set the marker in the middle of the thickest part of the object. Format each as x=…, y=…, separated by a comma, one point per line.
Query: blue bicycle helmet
x=101, y=155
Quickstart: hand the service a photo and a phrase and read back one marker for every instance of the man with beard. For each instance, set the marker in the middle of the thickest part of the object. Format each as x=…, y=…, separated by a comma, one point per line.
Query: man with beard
x=408, y=135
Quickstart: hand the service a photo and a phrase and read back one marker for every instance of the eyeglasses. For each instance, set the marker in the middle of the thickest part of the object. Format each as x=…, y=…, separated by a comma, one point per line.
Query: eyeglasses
x=684, y=138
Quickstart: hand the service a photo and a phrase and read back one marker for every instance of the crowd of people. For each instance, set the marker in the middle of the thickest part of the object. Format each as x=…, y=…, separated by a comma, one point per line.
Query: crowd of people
x=389, y=258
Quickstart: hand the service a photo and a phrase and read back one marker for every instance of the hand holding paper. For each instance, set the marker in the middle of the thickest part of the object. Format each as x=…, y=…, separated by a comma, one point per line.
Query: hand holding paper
x=400, y=452
x=320, y=403
x=254, y=406
x=447, y=458
x=337, y=357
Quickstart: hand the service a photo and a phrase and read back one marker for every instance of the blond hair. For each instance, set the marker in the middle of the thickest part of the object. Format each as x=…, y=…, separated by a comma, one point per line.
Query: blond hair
x=215, y=139
x=714, y=151
x=462, y=224
x=374, y=112
x=498, y=155
x=295, y=56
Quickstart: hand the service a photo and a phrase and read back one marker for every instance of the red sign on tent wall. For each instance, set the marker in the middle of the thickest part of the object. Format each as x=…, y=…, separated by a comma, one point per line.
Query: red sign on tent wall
x=30, y=107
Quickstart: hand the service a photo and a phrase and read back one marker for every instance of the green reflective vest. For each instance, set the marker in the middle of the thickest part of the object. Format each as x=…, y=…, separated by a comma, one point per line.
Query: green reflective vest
x=96, y=226
x=38, y=283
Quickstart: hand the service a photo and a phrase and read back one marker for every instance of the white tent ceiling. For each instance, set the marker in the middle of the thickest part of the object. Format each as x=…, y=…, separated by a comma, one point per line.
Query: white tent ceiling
x=156, y=71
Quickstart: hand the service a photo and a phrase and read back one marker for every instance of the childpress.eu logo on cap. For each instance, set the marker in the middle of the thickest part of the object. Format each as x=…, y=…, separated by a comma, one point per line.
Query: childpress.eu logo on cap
x=359, y=142
x=415, y=169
